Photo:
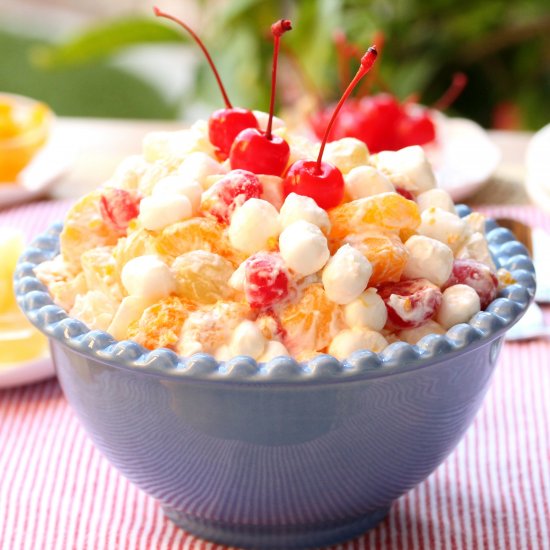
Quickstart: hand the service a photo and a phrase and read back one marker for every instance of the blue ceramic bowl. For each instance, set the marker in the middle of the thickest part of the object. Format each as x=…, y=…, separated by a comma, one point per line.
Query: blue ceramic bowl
x=283, y=454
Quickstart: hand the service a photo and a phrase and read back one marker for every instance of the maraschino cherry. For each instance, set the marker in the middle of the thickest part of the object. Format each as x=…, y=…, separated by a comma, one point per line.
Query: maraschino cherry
x=263, y=152
x=320, y=180
x=224, y=124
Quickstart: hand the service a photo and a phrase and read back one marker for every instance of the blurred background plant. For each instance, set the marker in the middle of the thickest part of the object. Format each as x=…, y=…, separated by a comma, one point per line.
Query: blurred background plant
x=121, y=62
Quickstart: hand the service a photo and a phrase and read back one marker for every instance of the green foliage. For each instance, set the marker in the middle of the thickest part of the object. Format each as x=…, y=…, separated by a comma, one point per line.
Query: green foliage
x=501, y=46
x=95, y=89
x=101, y=42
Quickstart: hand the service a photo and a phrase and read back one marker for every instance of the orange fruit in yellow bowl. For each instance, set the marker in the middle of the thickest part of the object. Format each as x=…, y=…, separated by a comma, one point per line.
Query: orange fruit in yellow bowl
x=24, y=129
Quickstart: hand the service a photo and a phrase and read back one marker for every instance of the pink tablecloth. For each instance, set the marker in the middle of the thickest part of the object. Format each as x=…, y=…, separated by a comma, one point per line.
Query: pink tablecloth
x=493, y=492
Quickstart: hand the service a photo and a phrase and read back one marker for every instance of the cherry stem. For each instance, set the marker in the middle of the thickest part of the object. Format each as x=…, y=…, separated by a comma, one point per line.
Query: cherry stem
x=453, y=91
x=277, y=30
x=367, y=61
x=160, y=13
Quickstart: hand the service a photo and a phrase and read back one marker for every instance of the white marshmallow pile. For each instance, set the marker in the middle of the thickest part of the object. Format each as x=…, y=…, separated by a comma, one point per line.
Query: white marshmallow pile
x=177, y=176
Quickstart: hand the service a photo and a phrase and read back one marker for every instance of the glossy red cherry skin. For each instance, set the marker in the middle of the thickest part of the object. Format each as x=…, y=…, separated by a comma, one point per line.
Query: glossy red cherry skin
x=415, y=129
x=225, y=124
x=380, y=115
x=253, y=151
x=325, y=188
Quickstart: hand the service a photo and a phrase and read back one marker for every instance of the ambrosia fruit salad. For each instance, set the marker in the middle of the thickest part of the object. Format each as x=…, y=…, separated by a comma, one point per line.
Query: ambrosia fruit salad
x=239, y=237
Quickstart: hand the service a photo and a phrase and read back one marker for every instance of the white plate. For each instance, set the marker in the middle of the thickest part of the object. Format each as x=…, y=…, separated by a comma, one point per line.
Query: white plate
x=537, y=164
x=36, y=179
x=464, y=157
x=26, y=372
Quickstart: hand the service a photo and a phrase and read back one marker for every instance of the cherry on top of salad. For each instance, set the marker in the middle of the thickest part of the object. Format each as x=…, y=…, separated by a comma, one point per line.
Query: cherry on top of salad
x=257, y=151
x=381, y=121
x=224, y=124
x=322, y=181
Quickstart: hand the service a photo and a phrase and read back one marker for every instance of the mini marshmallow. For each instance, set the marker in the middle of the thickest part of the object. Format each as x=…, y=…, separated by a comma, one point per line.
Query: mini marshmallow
x=303, y=247
x=413, y=335
x=238, y=277
x=149, y=277
x=174, y=145
x=460, y=303
x=346, y=153
x=346, y=275
x=190, y=347
x=262, y=117
x=410, y=163
x=365, y=181
x=476, y=222
x=476, y=248
x=367, y=311
x=158, y=211
x=438, y=198
x=129, y=172
x=178, y=185
x=129, y=311
x=273, y=349
x=247, y=339
x=223, y=353
x=350, y=340
x=445, y=227
x=253, y=225
x=198, y=166
x=301, y=148
x=428, y=259
x=298, y=207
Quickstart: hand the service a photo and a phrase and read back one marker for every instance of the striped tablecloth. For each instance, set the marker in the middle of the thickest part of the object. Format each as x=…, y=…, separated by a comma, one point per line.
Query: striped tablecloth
x=493, y=492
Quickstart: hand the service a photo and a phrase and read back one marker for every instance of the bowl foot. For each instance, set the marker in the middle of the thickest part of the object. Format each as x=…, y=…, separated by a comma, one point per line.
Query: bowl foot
x=277, y=536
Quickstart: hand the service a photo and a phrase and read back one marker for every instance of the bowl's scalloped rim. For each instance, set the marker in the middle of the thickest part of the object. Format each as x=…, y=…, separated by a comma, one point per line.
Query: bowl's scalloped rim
x=37, y=304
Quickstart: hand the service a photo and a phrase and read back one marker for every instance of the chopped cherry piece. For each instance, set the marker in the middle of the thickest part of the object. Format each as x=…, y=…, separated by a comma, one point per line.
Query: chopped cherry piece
x=320, y=180
x=119, y=207
x=266, y=280
x=404, y=193
x=410, y=303
x=224, y=124
x=230, y=192
x=262, y=152
x=477, y=275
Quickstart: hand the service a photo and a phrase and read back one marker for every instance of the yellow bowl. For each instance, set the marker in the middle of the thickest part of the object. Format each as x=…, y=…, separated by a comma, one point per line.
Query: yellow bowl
x=24, y=128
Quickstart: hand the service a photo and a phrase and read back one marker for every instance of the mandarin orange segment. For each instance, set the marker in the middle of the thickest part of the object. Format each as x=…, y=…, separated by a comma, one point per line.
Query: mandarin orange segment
x=193, y=234
x=384, y=250
x=160, y=324
x=311, y=322
x=386, y=210
x=84, y=228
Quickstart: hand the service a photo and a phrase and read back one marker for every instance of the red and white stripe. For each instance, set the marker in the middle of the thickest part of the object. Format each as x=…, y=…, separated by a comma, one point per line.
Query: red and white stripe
x=493, y=492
